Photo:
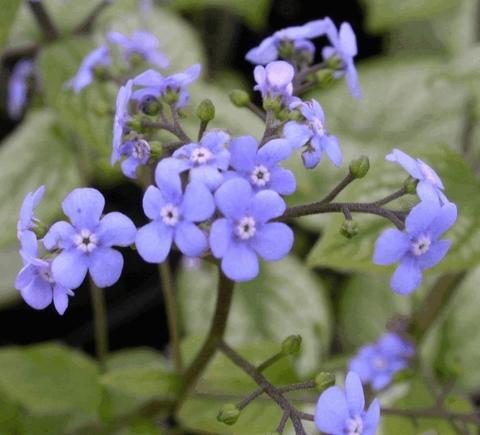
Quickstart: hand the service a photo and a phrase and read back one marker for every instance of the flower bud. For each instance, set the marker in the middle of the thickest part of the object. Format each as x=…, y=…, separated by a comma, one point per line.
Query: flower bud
x=349, y=229
x=171, y=96
x=150, y=105
x=323, y=381
x=228, y=414
x=135, y=124
x=325, y=77
x=291, y=345
x=286, y=49
x=359, y=167
x=206, y=110
x=410, y=185
x=334, y=62
x=40, y=229
x=156, y=149
x=239, y=98
x=295, y=115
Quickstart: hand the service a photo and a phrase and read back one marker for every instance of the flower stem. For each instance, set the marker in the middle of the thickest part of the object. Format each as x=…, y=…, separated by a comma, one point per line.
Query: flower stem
x=44, y=20
x=100, y=324
x=86, y=26
x=270, y=361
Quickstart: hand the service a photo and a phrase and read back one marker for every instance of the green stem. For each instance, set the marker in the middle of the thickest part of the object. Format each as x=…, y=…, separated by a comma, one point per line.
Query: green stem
x=270, y=361
x=171, y=309
x=100, y=324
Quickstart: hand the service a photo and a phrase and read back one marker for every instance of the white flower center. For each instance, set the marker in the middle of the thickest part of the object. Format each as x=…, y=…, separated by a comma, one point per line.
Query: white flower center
x=85, y=240
x=354, y=426
x=260, y=176
x=200, y=155
x=246, y=228
x=141, y=150
x=169, y=214
x=46, y=275
x=421, y=245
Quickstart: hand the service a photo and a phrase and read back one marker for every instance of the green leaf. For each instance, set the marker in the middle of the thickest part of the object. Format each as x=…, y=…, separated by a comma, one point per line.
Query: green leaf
x=36, y=153
x=9, y=9
x=266, y=308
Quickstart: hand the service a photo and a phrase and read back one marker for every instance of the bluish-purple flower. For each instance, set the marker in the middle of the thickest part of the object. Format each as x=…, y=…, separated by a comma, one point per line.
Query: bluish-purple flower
x=27, y=219
x=136, y=153
x=98, y=57
x=377, y=363
x=417, y=248
x=267, y=51
x=174, y=215
x=344, y=46
x=141, y=43
x=429, y=187
x=87, y=241
x=18, y=88
x=261, y=166
x=314, y=134
x=275, y=80
x=35, y=281
x=120, y=120
x=244, y=233
x=342, y=412
x=206, y=160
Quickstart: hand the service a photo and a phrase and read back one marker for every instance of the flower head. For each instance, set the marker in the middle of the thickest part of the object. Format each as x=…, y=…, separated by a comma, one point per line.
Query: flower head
x=244, y=233
x=120, y=120
x=98, y=57
x=261, y=166
x=275, y=80
x=341, y=412
x=377, y=363
x=417, y=248
x=27, y=220
x=430, y=186
x=174, y=215
x=136, y=153
x=18, y=88
x=86, y=243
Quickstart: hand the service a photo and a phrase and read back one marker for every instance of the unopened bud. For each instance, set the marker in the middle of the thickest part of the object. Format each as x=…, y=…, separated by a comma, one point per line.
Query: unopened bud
x=325, y=77
x=295, y=115
x=228, y=414
x=273, y=103
x=349, y=229
x=171, y=96
x=40, y=230
x=291, y=345
x=410, y=185
x=359, y=167
x=323, y=381
x=334, y=62
x=156, y=149
x=150, y=105
x=135, y=124
x=206, y=110
x=239, y=98
x=286, y=49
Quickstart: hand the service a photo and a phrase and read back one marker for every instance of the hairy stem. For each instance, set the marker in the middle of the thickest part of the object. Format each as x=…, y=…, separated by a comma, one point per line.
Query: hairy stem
x=44, y=20
x=100, y=324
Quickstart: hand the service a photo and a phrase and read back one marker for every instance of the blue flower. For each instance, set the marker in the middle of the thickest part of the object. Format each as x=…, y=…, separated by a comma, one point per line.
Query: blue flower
x=98, y=57
x=27, y=219
x=120, y=120
x=154, y=84
x=142, y=43
x=344, y=46
x=267, y=51
x=377, y=363
x=18, y=88
x=429, y=187
x=206, y=160
x=173, y=214
x=418, y=247
x=35, y=281
x=341, y=412
x=87, y=242
x=275, y=80
x=244, y=233
x=314, y=134
x=137, y=153
x=260, y=166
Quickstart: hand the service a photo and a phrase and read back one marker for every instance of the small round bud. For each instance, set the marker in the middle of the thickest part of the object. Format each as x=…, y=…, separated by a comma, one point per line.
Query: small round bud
x=228, y=414
x=291, y=345
x=171, y=96
x=359, y=167
x=273, y=103
x=206, y=110
x=323, y=381
x=295, y=115
x=156, y=149
x=239, y=98
x=325, y=77
x=135, y=124
x=410, y=185
x=150, y=105
x=349, y=229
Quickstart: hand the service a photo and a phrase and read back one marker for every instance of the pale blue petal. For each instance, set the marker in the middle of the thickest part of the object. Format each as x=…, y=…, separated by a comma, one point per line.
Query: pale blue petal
x=273, y=241
x=282, y=181
x=274, y=151
x=406, y=162
x=434, y=255
x=105, y=266
x=129, y=167
x=444, y=220
x=70, y=267
x=407, y=277
x=37, y=294
x=233, y=197
x=421, y=216
x=167, y=178
x=240, y=263
x=190, y=239
x=215, y=141
x=60, y=298
x=331, y=411
x=266, y=52
x=153, y=242
x=153, y=201
x=266, y=205
x=221, y=235
x=354, y=394
x=372, y=418
x=243, y=153
x=348, y=41
x=332, y=148
x=206, y=175
x=390, y=247
x=60, y=235
x=296, y=134
x=427, y=191
x=311, y=157
x=198, y=204
x=352, y=80
x=84, y=207
x=25, y=276
x=116, y=229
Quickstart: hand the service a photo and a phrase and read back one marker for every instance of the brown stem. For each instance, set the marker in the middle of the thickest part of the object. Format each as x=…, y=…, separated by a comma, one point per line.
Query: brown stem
x=257, y=111
x=86, y=26
x=337, y=189
x=389, y=198
x=44, y=20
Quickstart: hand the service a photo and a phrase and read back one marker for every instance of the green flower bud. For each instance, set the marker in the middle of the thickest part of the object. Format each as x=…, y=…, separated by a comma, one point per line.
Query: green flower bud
x=150, y=106
x=228, y=414
x=286, y=49
x=40, y=230
x=171, y=96
x=156, y=149
x=359, y=167
x=295, y=115
x=273, y=104
x=349, y=229
x=334, y=62
x=291, y=345
x=239, y=98
x=325, y=78
x=135, y=124
x=323, y=381
x=206, y=110
x=410, y=185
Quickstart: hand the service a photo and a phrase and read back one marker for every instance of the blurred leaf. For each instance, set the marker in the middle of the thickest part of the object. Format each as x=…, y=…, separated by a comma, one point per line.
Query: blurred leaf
x=253, y=12
x=34, y=154
x=266, y=308
x=134, y=357
x=10, y=264
x=8, y=10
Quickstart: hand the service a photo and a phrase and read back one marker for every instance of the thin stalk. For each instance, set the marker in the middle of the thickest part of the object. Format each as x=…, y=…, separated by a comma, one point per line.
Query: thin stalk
x=257, y=111
x=337, y=189
x=100, y=324
x=44, y=21
x=270, y=361
x=389, y=198
x=86, y=26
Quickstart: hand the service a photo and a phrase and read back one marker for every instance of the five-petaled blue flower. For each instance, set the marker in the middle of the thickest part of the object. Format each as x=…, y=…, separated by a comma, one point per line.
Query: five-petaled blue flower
x=98, y=57
x=429, y=187
x=18, y=88
x=87, y=242
x=35, y=281
x=260, y=166
x=174, y=215
x=314, y=134
x=27, y=219
x=275, y=80
x=120, y=120
x=137, y=153
x=418, y=247
x=377, y=363
x=206, y=160
x=344, y=46
x=342, y=412
x=245, y=231
x=141, y=43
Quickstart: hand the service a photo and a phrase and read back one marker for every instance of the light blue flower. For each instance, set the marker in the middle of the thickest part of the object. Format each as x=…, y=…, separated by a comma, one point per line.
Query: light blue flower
x=18, y=88
x=120, y=120
x=27, y=220
x=275, y=80
x=136, y=153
